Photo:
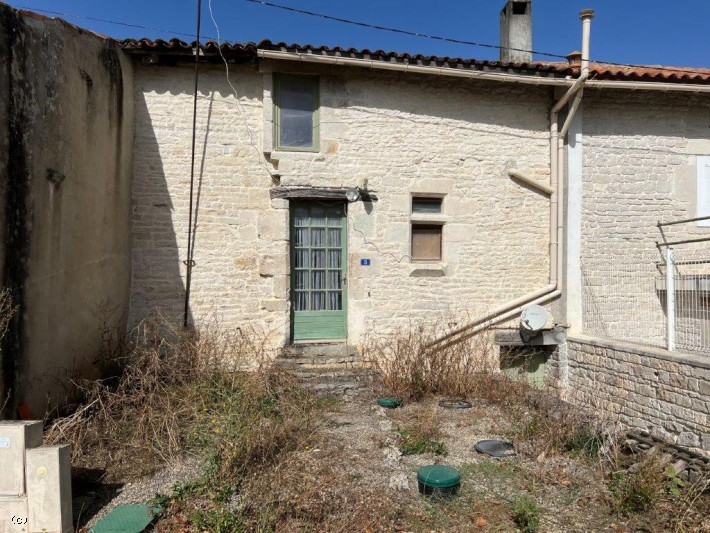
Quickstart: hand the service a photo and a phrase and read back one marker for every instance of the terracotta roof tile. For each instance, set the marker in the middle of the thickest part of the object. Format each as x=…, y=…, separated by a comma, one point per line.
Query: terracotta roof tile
x=599, y=71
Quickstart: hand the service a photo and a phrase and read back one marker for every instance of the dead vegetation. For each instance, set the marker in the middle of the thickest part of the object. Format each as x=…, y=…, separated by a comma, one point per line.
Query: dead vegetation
x=275, y=458
x=183, y=392
x=407, y=366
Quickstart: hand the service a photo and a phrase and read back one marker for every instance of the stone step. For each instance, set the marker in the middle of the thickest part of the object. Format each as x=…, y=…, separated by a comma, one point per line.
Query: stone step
x=328, y=381
x=328, y=350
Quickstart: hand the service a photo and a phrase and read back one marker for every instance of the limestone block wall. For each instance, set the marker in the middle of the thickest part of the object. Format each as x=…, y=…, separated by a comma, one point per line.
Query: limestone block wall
x=639, y=168
x=647, y=388
x=398, y=134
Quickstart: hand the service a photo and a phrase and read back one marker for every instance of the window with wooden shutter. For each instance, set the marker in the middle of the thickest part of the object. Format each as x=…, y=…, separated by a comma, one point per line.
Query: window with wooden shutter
x=426, y=242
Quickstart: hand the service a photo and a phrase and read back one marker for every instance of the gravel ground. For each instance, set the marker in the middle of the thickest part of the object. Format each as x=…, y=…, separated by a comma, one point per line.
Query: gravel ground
x=93, y=504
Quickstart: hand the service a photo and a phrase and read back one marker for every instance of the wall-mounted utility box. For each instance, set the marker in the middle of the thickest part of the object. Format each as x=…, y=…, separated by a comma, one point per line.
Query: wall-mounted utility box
x=48, y=471
x=15, y=439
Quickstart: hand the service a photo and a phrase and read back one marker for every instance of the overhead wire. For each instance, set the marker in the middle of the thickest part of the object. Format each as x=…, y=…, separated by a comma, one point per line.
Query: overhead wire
x=685, y=70
x=451, y=39
x=260, y=154
x=396, y=30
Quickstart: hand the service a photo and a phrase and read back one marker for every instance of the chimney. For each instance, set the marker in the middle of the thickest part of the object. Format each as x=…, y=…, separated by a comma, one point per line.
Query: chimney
x=516, y=31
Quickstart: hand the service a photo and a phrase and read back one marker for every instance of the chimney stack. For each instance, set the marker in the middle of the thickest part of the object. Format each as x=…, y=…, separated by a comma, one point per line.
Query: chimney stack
x=516, y=31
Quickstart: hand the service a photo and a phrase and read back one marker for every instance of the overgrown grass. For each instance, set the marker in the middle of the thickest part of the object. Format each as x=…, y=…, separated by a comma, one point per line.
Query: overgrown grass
x=207, y=393
x=269, y=463
x=526, y=515
x=417, y=441
x=409, y=364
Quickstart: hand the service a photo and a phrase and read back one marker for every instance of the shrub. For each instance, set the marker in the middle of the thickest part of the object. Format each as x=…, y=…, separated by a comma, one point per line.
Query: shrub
x=526, y=515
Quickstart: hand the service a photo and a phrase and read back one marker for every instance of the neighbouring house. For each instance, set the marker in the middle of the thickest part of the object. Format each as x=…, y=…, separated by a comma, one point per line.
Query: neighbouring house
x=341, y=192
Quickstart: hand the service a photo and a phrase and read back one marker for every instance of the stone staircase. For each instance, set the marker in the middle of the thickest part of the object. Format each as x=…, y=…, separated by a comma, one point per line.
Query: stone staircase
x=328, y=369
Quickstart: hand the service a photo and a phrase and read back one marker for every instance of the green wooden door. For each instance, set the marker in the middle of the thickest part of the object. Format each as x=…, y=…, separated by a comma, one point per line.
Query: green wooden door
x=318, y=271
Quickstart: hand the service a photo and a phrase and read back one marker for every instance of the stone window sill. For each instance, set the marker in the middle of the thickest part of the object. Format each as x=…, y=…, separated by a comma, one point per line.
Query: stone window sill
x=427, y=270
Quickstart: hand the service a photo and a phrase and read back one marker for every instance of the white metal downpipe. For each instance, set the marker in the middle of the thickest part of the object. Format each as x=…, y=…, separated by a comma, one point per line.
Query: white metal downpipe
x=515, y=307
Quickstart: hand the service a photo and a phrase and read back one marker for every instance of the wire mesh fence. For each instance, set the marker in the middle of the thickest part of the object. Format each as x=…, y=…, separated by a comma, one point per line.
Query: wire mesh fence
x=627, y=298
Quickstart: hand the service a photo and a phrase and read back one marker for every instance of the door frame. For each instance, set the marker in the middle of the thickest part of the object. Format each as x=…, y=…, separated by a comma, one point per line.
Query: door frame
x=344, y=267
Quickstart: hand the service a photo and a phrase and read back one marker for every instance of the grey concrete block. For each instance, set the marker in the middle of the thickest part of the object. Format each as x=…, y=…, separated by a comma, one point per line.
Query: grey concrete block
x=15, y=438
x=48, y=473
x=13, y=514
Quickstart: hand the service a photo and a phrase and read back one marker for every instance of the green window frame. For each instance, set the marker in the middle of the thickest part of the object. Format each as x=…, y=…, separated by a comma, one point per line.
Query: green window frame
x=311, y=83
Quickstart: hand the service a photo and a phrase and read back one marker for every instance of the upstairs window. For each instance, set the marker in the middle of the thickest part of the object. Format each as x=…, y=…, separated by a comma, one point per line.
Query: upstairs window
x=296, y=112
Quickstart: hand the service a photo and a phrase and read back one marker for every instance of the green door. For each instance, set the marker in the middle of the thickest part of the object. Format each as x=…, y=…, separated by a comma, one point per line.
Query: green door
x=318, y=271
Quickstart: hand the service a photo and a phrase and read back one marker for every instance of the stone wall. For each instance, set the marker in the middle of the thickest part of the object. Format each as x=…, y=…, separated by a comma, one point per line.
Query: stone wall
x=647, y=388
x=400, y=134
x=65, y=169
x=639, y=168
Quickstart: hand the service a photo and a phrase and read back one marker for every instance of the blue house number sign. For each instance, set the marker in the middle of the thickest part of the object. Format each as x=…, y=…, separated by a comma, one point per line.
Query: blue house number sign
x=365, y=262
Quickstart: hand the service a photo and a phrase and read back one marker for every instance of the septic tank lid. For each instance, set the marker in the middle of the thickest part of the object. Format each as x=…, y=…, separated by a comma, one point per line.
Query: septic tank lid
x=438, y=476
x=495, y=448
x=390, y=403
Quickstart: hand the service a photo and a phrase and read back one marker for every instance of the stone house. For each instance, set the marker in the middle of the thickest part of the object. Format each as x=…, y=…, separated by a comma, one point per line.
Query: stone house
x=339, y=192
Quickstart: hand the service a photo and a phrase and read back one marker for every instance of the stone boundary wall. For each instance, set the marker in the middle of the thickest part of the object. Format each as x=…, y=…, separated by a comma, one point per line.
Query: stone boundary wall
x=664, y=393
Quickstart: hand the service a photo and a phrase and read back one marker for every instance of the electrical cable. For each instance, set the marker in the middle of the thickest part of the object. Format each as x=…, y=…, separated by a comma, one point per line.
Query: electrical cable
x=189, y=262
x=108, y=21
x=398, y=30
x=685, y=70
x=259, y=153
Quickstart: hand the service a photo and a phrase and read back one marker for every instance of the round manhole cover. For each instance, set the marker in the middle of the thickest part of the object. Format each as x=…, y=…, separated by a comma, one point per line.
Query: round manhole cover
x=455, y=404
x=495, y=448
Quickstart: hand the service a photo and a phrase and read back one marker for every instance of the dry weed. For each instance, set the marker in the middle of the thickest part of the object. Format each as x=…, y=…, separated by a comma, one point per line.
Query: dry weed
x=172, y=382
x=405, y=363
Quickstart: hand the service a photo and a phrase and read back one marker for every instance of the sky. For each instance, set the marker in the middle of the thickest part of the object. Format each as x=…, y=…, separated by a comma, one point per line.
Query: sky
x=654, y=32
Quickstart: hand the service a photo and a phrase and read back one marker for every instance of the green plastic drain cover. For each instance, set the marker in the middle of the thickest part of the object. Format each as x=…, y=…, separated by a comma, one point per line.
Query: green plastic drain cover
x=390, y=403
x=438, y=480
x=133, y=518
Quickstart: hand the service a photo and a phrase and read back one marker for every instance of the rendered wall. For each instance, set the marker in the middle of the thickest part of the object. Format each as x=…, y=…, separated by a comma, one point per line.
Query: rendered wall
x=65, y=166
x=404, y=134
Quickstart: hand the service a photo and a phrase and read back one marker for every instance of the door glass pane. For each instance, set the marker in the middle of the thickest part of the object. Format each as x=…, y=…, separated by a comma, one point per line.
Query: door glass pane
x=334, y=279
x=301, y=216
x=334, y=237
x=318, y=257
x=318, y=216
x=301, y=301
x=296, y=107
x=301, y=280
x=318, y=237
x=334, y=258
x=302, y=258
x=318, y=279
x=301, y=237
x=335, y=300
x=334, y=216
x=318, y=300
